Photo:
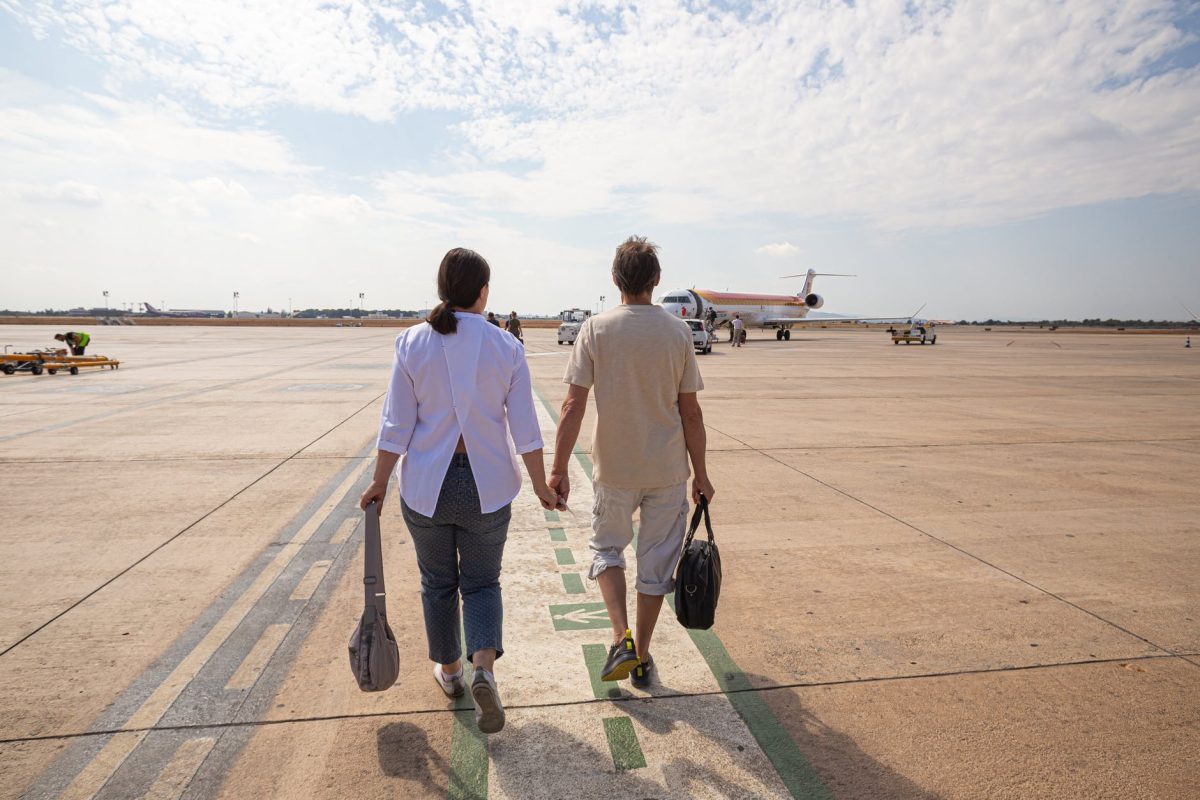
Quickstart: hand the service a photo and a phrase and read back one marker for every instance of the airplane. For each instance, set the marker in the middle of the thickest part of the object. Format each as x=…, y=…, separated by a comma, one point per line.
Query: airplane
x=187, y=313
x=766, y=311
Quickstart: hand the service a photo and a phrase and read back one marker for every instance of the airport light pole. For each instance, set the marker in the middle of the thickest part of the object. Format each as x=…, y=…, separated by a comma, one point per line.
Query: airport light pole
x=601, y=302
x=236, y=295
x=361, y=295
x=105, y=293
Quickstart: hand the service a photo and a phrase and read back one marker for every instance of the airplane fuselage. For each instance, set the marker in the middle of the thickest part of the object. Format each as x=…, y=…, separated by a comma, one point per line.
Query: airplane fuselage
x=755, y=310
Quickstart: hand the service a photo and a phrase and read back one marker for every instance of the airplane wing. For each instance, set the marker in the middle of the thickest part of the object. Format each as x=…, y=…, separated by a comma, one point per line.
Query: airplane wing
x=824, y=320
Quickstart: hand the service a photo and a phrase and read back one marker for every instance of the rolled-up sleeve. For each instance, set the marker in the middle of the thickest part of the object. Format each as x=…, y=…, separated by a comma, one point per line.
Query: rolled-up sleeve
x=581, y=369
x=522, y=416
x=399, y=411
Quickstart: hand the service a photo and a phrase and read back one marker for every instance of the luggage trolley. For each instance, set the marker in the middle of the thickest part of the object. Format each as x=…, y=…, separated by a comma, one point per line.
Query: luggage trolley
x=34, y=361
x=75, y=363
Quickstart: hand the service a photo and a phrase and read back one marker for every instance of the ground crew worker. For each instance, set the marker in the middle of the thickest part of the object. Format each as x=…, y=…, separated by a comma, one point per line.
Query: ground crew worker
x=76, y=340
x=491, y=318
x=738, y=330
x=513, y=326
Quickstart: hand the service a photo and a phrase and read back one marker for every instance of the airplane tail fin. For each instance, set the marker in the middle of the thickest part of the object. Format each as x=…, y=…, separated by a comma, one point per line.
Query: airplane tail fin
x=149, y=308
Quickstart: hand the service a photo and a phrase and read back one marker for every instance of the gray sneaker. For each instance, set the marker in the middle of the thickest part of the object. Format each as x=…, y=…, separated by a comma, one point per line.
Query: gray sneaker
x=489, y=712
x=640, y=677
x=453, y=687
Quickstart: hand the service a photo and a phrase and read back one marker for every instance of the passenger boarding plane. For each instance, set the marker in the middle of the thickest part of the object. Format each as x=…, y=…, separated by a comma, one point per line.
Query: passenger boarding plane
x=187, y=313
x=766, y=311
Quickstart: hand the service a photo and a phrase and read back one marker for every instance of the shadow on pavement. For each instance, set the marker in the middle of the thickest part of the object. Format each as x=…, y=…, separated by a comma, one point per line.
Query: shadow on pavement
x=841, y=764
x=582, y=771
x=404, y=752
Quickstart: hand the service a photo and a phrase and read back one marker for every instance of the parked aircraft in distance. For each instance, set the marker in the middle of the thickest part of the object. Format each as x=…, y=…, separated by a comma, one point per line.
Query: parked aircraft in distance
x=766, y=311
x=189, y=313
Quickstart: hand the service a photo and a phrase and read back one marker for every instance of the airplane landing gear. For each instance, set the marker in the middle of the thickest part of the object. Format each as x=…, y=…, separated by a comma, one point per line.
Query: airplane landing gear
x=783, y=335
x=779, y=335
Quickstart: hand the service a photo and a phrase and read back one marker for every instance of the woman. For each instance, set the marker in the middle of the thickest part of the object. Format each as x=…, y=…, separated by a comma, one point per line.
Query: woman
x=458, y=387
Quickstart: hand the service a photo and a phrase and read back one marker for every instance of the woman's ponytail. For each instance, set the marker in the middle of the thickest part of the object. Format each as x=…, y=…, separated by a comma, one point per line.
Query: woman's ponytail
x=462, y=277
x=442, y=319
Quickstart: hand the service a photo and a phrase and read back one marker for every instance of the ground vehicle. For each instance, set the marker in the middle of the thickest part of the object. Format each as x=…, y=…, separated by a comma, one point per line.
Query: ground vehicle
x=702, y=337
x=572, y=321
x=917, y=333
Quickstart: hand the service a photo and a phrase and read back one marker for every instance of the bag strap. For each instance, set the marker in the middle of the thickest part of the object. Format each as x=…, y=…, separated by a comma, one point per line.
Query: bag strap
x=701, y=510
x=373, y=585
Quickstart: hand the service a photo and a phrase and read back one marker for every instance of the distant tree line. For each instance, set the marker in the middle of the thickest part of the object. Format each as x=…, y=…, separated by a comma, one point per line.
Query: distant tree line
x=1084, y=323
x=333, y=313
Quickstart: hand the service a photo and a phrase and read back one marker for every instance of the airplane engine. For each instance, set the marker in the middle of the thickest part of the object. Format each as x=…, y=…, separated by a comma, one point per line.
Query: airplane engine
x=814, y=300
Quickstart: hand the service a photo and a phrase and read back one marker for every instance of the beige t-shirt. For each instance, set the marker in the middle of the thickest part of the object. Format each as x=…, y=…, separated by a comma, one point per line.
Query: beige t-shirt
x=639, y=359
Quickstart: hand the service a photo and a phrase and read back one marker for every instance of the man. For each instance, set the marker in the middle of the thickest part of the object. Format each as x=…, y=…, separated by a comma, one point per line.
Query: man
x=77, y=341
x=513, y=326
x=641, y=361
x=491, y=318
x=737, y=330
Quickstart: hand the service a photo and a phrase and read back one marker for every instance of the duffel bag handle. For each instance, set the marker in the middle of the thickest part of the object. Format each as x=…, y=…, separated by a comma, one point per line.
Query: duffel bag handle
x=701, y=510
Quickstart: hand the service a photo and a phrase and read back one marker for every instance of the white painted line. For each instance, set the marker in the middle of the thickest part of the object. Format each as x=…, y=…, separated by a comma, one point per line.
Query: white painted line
x=179, y=771
x=345, y=529
x=311, y=580
x=113, y=754
x=256, y=660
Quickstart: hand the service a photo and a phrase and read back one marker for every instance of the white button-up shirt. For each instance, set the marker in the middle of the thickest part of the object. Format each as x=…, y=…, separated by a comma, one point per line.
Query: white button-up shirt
x=474, y=383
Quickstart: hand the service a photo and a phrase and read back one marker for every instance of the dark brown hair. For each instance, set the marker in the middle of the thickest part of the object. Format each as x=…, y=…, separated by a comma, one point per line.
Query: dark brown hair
x=635, y=268
x=461, y=279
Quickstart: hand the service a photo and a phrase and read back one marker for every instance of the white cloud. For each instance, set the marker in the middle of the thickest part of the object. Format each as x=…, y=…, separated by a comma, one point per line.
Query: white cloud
x=69, y=192
x=905, y=112
x=777, y=250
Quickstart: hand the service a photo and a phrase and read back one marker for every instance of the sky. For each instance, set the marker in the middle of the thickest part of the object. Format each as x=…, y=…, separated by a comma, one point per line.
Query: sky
x=1006, y=159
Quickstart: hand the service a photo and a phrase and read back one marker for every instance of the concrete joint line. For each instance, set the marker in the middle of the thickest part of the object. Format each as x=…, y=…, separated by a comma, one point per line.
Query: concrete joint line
x=958, y=549
x=97, y=772
x=200, y=727
x=180, y=533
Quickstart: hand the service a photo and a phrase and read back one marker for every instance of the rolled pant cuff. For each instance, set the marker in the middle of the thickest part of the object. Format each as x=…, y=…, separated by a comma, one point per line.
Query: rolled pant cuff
x=445, y=656
x=601, y=563
x=471, y=655
x=655, y=589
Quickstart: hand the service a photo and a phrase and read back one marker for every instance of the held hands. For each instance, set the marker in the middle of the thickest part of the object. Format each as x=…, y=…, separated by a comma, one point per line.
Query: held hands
x=561, y=484
x=375, y=492
x=550, y=499
x=701, y=485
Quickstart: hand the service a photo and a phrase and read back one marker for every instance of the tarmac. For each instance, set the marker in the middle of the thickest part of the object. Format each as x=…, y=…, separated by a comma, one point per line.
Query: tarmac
x=960, y=571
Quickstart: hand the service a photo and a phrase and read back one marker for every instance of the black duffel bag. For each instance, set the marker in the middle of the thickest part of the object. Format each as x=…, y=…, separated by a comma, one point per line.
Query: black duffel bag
x=698, y=577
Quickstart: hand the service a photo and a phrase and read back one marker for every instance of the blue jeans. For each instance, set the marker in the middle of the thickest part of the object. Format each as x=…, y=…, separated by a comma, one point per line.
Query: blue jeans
x=459, y=551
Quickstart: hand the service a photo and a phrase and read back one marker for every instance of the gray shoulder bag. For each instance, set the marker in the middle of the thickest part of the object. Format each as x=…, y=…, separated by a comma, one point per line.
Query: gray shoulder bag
x=374, y=654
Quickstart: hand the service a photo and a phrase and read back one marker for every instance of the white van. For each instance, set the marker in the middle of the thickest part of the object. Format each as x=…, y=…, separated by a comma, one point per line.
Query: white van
x=701, y=338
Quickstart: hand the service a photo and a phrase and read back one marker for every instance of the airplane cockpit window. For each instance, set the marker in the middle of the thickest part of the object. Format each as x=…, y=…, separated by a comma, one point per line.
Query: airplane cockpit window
x=677, y=298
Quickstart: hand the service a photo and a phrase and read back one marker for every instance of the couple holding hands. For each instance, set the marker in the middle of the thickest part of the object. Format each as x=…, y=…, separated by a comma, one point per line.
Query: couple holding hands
x=460, y=404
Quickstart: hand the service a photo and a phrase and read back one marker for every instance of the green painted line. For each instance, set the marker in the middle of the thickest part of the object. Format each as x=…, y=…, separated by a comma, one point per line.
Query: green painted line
x=594, y=655
x=558, y=535
x=794, y=769
x=580, y=616
x=623, y=744
x=564, y=556
x=468, y=759
x=551, y=516
x=580, y=455
x=572, y=583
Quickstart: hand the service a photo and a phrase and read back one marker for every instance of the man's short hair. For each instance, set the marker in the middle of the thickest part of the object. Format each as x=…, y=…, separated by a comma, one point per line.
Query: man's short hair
x=635, y=268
